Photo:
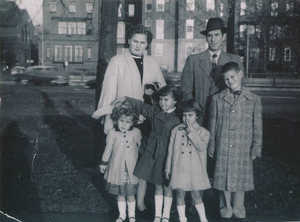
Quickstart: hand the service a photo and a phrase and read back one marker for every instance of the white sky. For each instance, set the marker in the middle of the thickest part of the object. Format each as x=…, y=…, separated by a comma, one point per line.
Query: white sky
x=34, y=9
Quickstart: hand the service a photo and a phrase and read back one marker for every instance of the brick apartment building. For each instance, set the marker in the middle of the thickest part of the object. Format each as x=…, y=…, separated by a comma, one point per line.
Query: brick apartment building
x=70, y=30
x=16, y=35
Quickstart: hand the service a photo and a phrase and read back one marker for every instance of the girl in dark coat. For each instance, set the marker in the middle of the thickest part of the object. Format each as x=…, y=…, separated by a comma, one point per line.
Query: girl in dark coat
x=151, y=165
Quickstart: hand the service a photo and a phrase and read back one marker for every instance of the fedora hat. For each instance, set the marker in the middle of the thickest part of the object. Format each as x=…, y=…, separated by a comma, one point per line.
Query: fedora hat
x=214, y=24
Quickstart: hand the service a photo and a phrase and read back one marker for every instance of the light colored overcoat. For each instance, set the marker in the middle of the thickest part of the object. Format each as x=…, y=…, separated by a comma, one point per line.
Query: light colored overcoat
x=198, y=81
x=235, y=127
x=186, y=160
x=122, y=78
x=121, y=150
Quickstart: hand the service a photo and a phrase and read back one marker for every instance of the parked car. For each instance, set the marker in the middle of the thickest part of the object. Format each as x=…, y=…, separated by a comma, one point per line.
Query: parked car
x=170, y=77
x=17, y=70
x=42, y=74
x=81, y=76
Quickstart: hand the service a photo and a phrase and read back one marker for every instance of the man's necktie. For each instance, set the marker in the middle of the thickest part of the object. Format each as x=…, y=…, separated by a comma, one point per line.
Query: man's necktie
x=214, y=61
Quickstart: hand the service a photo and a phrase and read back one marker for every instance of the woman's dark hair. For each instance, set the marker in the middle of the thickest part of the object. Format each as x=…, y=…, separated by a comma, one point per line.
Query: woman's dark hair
x=139, y=29
x=125, y=108
x=191, y=106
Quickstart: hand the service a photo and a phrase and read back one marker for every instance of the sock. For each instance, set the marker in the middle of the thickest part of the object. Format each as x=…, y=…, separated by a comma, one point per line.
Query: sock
x=167, y=206
x=181, y=212
x=131, y=208
x=201, y=211
x=158, y=205
x=122, y=209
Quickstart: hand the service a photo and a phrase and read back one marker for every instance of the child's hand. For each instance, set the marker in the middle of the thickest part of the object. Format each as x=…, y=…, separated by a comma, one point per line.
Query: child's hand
x=189, y=127
x=102, y=168
x=117, y=101
x=167, y=175
x=252, y=157
x=211, y=155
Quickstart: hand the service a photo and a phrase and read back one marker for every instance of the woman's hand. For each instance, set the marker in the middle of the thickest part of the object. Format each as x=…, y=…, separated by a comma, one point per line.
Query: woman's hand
x=117, y=101
x=167, y=175
x=252, y=157
x=102, y=168
x=148, y=92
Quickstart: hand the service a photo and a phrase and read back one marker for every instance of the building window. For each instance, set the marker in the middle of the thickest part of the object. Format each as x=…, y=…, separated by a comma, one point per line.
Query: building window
x=289, y=8
x=222, y=10
x=159, y=29
x=190, y=5
x=72, y=27
x=259, y=5
x=243, y=7
x=189, y=34
x=148, y=5
x=271, y=54
x=68, y=53
x=160, y=5
x=242, y=30
x=287, y=54
x=47, y=52
x=121, y=30
x=52, y=6
x=273, y=32
x=159, y=49
x=72, y=7
x=81, y=28
x=258, y=31
x=120, y=11
x=274, y=8
x=89, y=8
x=78, y=53
x=148, y=23
x=58, y=53
x=89, y=53
x=131, y=9
x=210, y=5
x=62, y=28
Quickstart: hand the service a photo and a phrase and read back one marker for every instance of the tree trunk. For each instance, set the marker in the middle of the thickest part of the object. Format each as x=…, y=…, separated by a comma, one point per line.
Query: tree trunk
x=108, y=23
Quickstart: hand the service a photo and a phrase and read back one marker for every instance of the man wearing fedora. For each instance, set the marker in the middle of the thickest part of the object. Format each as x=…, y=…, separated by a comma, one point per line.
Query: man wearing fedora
x=201, y=76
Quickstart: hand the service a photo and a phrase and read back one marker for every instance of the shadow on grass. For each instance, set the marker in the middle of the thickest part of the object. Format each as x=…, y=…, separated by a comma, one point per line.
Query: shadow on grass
x=75, y=136
x=18, y=191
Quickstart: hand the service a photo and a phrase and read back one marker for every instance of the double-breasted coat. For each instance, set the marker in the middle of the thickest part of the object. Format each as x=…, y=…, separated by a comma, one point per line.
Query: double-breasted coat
x=235, y=127
x=151, y=165
x=186, y=160
x=122, y=78
x=121, y=151
x=200, y=81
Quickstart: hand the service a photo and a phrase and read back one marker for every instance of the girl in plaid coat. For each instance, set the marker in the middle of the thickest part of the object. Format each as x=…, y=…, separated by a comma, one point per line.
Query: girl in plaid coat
x=186, y=160
x=120, y=157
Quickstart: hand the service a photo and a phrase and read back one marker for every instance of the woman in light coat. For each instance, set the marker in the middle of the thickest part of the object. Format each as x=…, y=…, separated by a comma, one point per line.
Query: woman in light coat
x=127, y=75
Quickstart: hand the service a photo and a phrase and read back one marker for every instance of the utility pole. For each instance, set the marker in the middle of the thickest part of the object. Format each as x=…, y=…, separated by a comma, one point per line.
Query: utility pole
x=230, y=25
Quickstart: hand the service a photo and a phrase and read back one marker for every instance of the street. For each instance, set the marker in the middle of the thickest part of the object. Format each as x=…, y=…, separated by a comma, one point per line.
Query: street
x=48, y=152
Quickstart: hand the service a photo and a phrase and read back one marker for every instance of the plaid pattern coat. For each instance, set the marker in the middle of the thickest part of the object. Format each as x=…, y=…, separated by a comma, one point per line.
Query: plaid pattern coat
x=236, y=133
x=186, y=160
